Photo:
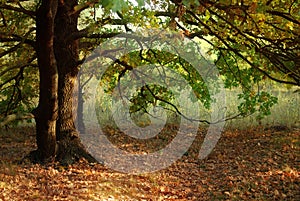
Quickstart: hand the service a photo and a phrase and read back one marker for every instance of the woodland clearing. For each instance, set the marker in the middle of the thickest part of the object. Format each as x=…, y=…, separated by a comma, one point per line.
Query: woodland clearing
x=252, y=164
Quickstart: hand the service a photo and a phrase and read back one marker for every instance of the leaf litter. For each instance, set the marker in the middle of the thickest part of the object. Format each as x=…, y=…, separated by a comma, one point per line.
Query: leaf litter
x=253, y=164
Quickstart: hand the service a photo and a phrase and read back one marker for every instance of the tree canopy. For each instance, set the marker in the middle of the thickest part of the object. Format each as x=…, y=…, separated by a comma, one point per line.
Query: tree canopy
x=253, y=40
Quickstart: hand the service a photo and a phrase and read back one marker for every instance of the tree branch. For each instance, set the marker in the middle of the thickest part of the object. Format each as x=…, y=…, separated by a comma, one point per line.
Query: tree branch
x=237, y=52
x=14, y=48
x=15, y=117
x=81, y=7
x=20, y=10
x=28, y=63
x=85, y=34
x=286, y=16
x=16, y=38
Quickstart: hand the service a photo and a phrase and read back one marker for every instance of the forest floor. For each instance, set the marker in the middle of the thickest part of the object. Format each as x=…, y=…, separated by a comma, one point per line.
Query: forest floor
x=253, y=164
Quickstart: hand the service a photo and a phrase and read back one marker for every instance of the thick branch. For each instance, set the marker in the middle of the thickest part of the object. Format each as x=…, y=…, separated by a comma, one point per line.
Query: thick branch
x=16, y=38
x=286, y=16
x=15, y=117
x=20, y=10
x=86, y=34
x=164, y=14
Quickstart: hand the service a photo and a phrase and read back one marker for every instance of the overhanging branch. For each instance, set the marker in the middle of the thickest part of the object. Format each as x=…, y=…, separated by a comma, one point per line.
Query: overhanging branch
x=86, y=34
x=18, y=9
x=286, y=16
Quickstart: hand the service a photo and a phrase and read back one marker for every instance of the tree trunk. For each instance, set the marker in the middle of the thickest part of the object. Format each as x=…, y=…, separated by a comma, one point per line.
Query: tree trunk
x=79, y=120
x=57, y=53
x=70, y=148
x=46, y=112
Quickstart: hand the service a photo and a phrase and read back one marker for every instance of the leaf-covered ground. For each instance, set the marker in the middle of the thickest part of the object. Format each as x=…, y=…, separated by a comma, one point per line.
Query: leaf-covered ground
x=253, y=164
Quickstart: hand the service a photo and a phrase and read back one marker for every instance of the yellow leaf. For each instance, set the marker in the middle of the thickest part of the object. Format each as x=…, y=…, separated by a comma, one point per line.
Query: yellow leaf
x=290, y=25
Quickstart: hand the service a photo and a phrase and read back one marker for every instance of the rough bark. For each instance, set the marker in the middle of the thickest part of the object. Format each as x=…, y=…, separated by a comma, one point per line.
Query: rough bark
x=70, y=148
x=57, y=137
x=46, y=112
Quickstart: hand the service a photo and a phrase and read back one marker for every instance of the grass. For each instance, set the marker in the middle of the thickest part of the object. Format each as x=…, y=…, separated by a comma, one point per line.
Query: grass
x=285, y=113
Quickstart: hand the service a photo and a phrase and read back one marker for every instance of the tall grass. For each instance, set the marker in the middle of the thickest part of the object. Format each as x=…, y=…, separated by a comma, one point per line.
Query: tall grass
x=285, y=113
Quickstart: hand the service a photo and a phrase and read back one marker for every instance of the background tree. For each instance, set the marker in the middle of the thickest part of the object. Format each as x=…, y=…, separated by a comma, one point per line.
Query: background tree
x=253, y=41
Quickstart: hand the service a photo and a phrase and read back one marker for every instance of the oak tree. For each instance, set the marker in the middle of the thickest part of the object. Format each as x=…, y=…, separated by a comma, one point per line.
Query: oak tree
x=252, y=40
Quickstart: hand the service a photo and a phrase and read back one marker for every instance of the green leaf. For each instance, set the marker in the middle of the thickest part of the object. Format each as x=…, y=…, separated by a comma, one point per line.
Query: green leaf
x=141, y=3
x=115, y=5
